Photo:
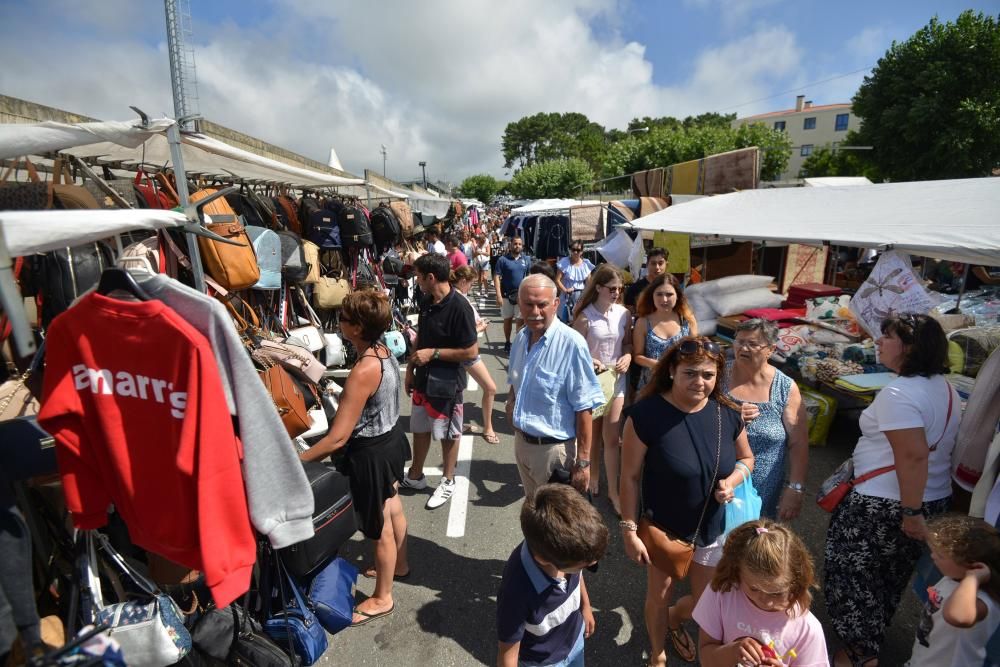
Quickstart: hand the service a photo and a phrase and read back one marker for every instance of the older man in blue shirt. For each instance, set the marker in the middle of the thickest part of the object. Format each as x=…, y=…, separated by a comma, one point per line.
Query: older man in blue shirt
x=553, y=390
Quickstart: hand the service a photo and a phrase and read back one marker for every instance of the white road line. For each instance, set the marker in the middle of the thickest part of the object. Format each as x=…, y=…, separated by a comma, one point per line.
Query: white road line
x=460, y=498
x=471, y=385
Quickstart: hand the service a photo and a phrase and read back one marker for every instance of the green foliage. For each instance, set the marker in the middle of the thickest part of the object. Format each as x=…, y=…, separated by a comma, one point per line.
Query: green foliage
x=667, y=145
x=931, y=106
x=552, y=178
x=825, y=161
x=481, y=186
x=552, y=136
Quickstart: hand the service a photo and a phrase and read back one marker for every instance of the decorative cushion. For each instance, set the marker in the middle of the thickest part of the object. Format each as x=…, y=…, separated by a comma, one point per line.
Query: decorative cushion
x=738, y=302
x=826, y=307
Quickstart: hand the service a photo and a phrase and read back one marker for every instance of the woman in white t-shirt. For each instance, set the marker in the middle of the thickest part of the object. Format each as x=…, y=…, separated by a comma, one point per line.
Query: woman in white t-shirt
x=877, y=532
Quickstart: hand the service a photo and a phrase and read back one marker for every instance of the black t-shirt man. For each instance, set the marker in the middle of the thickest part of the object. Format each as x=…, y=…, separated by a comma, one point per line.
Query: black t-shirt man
x=449, y=323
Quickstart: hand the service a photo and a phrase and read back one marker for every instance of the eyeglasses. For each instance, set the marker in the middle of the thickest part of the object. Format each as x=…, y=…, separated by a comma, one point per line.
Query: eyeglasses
x=749, y=345
x=692, y=345
x=576, y=249
x=613, y=290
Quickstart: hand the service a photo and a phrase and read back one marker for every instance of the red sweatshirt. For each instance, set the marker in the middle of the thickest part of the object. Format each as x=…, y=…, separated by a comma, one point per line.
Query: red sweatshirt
x=133, y=398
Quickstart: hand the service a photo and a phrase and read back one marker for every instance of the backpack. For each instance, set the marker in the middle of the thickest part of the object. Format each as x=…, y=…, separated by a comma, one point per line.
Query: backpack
x=404, y=214
x=310, y=255
x=288, y=216
x=293, y=257
x=385, y=228
x=324, y=230
x=307, y=206
x=355, y=230
x=267, y=247
x=61, y=276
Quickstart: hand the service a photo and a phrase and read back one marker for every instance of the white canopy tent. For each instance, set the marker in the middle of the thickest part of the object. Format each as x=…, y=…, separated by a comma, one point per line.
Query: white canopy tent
x=129, y=143
x=956, y=220
x=29, y=232
x=548, y=205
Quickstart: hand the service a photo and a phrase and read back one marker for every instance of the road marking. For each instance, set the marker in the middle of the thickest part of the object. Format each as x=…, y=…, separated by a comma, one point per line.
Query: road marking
x=471, y=384
x=460, y=498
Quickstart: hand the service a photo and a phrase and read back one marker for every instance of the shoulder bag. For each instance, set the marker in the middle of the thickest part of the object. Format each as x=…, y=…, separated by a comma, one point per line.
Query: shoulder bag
x=334, y=520
x=293, y=358
x=288, y=399
x=672, y=555
x=836, y=487
x=332, y=594
x=251, y=648
x=233, y=266
x=296, y=623
x=151, y=634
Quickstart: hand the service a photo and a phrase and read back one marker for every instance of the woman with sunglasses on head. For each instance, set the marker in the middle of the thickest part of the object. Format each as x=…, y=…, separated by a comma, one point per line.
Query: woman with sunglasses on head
x=664, y=318
x=375, y=448
x=571, y=278
x=777, y=426
x=685, y=445
x=877, y=531
x=606, y=325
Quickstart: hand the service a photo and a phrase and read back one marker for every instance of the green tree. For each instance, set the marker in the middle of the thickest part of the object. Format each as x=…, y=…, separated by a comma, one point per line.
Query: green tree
x=931, y=106
x=481, y=186
x=552, y=136
x=553, y=178
x=828, y=161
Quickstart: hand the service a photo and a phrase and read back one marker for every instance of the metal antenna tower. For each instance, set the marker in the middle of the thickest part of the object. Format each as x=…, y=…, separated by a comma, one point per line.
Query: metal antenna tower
x=183, y=75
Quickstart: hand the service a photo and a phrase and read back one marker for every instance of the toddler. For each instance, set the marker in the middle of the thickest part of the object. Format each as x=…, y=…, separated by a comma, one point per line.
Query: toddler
x=963, y=609
x=756, y=610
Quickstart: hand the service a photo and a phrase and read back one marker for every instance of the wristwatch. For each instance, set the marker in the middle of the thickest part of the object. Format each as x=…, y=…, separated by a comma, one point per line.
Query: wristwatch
x=582, y=464
x=797, y=487
x=437, y=354
x=909, y=511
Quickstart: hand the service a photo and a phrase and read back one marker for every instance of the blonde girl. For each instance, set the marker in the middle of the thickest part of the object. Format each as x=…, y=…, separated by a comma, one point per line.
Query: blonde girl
x=756, y=610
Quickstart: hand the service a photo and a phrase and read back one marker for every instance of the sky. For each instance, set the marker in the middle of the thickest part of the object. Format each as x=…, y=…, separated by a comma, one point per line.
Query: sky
x=438, y=80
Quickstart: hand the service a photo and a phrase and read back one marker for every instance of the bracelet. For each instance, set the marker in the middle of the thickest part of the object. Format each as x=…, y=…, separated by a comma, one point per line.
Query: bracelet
x=624, y=524
x=910, y=511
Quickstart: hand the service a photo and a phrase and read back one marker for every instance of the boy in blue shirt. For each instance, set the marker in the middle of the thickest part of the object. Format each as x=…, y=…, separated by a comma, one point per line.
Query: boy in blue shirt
x=543, y=611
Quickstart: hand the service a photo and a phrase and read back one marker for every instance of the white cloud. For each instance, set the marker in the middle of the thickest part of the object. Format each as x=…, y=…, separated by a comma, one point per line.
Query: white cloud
x=437, y=82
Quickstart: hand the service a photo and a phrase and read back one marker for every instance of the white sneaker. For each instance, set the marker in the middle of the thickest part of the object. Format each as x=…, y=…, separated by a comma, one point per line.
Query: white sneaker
x=441, y=494
x=415, y=484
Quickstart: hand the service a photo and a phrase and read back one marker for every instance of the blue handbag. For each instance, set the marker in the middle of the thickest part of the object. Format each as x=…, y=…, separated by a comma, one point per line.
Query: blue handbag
x=296, y=626
x=745, y=505
x=332, y=595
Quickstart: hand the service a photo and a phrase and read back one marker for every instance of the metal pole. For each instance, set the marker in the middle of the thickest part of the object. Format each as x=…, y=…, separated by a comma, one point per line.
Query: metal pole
x=13, y=304
x=177, y=159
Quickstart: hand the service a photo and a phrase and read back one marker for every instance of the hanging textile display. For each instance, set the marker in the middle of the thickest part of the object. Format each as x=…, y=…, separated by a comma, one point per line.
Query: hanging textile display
x=678, y=247
x=804, y=264
x=648, y=183
x=891, y=288
x=586, y=223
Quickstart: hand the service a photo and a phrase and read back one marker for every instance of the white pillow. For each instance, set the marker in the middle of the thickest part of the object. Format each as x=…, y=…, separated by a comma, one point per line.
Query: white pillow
x=700, y=307
x=731, y=284
x=738, y=302
x=707, y=327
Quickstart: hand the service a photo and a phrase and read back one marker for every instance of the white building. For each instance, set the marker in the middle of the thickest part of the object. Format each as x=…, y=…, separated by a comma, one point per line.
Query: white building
x=809, y=127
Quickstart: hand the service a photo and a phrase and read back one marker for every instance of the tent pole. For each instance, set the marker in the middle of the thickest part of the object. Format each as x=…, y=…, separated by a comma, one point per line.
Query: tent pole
x=177, y=159
x=13, y=304
x=961, y=291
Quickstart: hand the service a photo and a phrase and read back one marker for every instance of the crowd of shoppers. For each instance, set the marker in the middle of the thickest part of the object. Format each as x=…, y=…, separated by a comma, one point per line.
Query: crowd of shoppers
x=673, y=456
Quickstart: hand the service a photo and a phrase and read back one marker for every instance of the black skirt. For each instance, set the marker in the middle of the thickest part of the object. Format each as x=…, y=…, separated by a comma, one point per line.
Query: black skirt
x=374, y=465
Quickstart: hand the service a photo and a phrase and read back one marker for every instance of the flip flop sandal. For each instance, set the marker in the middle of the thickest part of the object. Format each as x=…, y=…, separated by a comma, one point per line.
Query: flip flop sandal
x=682, y=643
x=491, y=438
x=369, y=573
x=368, y=618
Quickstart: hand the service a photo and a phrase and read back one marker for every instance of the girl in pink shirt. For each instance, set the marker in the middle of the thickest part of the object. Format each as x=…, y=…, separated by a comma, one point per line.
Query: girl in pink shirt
x=756, y=611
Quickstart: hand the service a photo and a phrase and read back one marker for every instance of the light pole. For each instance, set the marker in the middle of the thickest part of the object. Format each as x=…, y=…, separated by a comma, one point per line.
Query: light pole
x=384, y=155
x=637, y=129
x=423, y=170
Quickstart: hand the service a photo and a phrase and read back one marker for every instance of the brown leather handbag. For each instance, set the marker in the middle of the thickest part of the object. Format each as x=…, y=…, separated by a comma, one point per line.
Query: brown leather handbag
x=672, y=555
x=232, y=266
x=287, y=398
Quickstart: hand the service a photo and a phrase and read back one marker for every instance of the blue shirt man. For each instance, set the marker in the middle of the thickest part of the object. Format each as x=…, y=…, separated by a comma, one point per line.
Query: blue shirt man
x=553, y=391
x=508, y=273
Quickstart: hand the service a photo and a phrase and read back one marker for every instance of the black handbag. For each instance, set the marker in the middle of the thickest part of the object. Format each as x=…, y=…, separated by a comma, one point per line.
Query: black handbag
x=443, y=381
x=334, y=520
x=252, y=648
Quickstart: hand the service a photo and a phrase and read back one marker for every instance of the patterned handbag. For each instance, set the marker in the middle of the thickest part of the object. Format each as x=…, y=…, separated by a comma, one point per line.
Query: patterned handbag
x=151, y=633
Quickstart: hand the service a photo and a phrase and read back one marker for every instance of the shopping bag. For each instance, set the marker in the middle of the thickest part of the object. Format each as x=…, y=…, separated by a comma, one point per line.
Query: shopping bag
x=745, y=505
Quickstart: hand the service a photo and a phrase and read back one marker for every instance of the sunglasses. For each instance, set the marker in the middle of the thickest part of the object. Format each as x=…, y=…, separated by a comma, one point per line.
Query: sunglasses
x=692, y=346
x=576, y=249
x=613, y=290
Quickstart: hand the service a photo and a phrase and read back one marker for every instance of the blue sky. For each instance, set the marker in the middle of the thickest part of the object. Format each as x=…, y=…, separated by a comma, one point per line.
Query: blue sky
x=438, y=80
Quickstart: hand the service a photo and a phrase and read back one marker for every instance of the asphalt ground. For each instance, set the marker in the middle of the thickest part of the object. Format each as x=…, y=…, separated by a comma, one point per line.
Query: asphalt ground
x=445, y=611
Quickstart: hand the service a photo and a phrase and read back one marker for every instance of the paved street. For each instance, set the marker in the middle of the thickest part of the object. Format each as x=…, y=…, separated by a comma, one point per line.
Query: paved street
x=445, y=611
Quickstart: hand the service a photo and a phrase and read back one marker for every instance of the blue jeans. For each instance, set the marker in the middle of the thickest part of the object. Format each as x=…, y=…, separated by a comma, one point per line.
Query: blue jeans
x=574, y=659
